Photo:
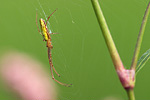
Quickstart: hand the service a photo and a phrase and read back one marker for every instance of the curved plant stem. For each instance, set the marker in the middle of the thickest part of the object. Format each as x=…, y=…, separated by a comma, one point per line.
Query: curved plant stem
x=140, y=37
x=106, y=33
x=130, y=93
x=113, y=51
x=127, y=82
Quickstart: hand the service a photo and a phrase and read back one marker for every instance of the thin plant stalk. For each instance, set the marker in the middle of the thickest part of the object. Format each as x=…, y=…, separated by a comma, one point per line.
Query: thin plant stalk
x=113, y=51
x=131, y=94
x=140, y=37
x=107, y=36
x=127, y=77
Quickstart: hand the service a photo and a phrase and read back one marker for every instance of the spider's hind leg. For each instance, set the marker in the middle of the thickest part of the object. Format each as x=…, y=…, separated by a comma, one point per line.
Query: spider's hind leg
x=67, y=85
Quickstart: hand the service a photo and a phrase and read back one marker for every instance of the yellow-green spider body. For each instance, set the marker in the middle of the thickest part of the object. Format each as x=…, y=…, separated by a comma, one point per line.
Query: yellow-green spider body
x=44, y=30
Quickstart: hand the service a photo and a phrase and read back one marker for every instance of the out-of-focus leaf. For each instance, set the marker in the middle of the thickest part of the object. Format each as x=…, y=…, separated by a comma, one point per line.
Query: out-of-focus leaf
x=142, y=61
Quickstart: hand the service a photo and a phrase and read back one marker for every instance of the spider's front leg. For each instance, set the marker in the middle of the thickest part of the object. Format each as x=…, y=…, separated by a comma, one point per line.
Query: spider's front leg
x=54, y=33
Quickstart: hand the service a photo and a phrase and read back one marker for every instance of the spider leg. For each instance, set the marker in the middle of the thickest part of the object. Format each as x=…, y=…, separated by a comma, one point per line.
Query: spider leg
x=50, y=16
x=37, y=25
x=54, y=33
x=51, y=66
x=54, y=68
x=50, y=60
x=68, y=85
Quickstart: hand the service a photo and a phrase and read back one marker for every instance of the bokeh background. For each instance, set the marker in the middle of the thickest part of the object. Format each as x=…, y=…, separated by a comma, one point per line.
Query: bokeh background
x=79, y=55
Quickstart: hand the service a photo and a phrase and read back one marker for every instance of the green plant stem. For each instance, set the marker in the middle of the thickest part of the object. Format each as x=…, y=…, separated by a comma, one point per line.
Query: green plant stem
x=130, y=93
x=106, y=33
x=140, y=37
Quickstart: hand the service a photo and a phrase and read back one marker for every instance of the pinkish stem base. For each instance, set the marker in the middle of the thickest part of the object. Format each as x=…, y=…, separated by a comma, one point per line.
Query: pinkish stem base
x=127, y=78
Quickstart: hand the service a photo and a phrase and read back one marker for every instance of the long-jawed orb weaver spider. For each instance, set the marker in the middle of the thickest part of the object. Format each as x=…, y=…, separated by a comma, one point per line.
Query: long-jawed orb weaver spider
x=46, y=37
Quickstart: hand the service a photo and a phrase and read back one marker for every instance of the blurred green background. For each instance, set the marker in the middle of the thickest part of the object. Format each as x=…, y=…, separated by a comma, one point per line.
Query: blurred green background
x=80, y=54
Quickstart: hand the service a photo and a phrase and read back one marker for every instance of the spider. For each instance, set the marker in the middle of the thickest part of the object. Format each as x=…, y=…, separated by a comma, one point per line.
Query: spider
x=46, y=37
